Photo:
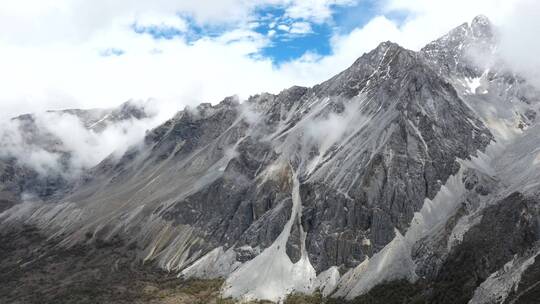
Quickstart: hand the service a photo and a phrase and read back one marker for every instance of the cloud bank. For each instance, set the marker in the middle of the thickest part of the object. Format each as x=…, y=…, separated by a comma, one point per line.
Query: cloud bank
x=80, y=54
x=59, y=143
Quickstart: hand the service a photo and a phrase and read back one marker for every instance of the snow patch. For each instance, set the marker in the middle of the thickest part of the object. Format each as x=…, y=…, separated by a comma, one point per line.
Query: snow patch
x=272, y=275
x=473, y=84
x=392, y=262
x=536, y=160
x=462, y=226
x=218, y=263
x=327, y=281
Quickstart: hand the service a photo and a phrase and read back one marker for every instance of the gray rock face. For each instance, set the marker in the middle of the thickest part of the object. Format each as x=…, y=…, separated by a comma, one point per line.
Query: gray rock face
x=432, y=251
x=365, y=187
x=508, y=228
x=368, y=149
x=385, y=185
x=465, y=51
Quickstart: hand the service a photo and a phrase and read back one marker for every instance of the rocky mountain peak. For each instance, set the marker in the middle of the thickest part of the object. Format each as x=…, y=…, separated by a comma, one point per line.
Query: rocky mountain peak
x=384, y=62
x=462, y=52
x=480, y=30
x=481, y=26
x=132, y=109
x=384, y=49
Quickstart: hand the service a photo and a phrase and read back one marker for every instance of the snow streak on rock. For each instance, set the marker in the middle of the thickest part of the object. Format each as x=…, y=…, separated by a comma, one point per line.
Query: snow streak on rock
x=271, y=275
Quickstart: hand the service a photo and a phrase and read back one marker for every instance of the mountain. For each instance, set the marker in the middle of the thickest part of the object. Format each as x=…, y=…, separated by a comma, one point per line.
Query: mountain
x=35, y=161
x=409, y=177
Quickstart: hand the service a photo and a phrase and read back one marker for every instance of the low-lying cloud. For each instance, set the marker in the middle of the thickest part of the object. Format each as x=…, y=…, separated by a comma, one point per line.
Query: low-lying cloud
x=59, y=142
x=519, y=43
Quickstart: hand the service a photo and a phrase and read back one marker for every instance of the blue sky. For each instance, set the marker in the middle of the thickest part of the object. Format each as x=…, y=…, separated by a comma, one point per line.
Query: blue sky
x=289, y=38
x=344, y=19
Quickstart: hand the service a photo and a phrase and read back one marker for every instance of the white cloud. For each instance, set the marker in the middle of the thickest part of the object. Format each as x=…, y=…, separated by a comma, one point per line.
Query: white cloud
x=162, y=21
x=86, y=147
x=50, y=52
x=36, y=21
x=316, y=10
x=59, y=76
x=345, y=49
x=519, y=38
x=284, y=27
x=301, y=28
x=13, y=145
x=429, y=19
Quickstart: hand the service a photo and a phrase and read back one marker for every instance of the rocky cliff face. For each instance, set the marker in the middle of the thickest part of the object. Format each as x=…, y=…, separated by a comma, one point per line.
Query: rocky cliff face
x=399, y=167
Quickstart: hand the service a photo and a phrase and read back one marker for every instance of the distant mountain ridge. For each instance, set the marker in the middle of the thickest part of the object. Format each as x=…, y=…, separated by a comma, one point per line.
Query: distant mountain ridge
x=19, y=178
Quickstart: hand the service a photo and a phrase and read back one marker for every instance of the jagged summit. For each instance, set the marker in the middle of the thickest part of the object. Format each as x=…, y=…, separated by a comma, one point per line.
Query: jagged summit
x=377, y=54
x=481, y=20
x=465, y=50
x=481, y=26
x=480, y=29
x=99, y=119
x=384, y=62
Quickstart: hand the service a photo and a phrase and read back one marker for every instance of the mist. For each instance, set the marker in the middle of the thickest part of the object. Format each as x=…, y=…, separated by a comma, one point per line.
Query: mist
x=58, y=143
x=519, y=43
